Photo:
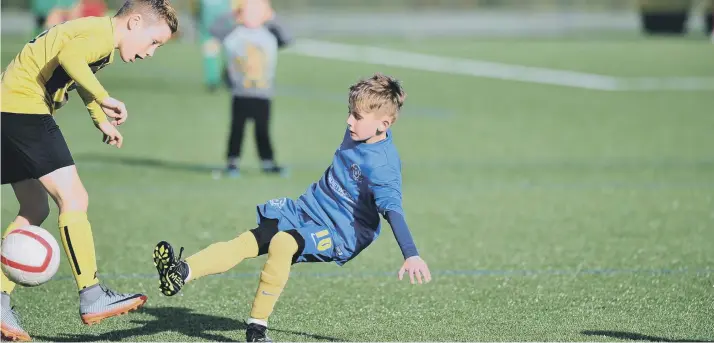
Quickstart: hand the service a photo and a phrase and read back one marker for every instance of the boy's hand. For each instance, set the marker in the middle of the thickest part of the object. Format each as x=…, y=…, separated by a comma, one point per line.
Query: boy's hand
x=111, y=134
x=114, y=109
x=416, y=267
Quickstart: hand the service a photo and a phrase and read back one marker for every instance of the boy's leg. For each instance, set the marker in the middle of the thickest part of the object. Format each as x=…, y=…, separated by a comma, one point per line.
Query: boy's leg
x=96, y=302
x=33, y=147
x=53, y=166
x=261, y=109
x=235, y=140
x=306, y=244
x=211, y=48
x=215, y=259
x=66, y=189
x=222, y=256
x=274, y=276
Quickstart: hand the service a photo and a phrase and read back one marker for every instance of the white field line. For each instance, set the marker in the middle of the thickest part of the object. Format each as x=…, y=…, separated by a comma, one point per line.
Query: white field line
x=493, y=70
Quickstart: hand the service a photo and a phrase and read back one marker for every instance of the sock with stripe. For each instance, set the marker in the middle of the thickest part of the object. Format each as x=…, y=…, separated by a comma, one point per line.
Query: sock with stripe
x=78, y=244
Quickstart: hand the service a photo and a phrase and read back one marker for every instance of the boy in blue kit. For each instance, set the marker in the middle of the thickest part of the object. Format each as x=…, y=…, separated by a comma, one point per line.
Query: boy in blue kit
x=334, y=220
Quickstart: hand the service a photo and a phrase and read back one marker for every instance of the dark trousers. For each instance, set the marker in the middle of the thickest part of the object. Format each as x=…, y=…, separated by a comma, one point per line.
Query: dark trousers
x=258, y=110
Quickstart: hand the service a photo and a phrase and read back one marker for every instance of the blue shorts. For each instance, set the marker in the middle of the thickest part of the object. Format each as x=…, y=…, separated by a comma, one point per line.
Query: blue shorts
x=318, y=239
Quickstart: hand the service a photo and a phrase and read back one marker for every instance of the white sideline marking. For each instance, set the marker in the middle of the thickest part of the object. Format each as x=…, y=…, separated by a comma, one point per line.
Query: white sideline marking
x=494, y=70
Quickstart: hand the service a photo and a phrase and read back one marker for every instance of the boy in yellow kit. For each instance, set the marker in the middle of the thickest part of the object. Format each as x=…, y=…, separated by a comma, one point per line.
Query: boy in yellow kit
x=35, y=156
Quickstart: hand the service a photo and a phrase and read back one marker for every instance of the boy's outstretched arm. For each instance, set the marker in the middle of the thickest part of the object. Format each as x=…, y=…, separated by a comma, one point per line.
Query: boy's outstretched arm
x=413, y=264
x=385, y=183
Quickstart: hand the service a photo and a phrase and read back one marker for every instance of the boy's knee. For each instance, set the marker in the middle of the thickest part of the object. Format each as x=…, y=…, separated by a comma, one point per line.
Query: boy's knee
x=66, y=189
x=75, y=199
x=283, y=243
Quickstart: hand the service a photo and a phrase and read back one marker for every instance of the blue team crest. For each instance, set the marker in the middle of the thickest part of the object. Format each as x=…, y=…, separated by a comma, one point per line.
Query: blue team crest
x=277, y=203
x=356, y=173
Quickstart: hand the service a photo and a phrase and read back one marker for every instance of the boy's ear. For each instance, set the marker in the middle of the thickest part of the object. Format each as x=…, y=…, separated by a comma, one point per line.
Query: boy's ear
x=134, y=21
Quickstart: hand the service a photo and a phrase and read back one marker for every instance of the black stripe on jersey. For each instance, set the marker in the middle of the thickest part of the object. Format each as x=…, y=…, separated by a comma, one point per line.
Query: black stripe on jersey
x=60, y=79
x=57, y=81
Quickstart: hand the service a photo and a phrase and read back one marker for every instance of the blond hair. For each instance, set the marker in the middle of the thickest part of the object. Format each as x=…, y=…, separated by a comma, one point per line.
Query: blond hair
x=259, y=8
x=155, y=9
x=379, y=94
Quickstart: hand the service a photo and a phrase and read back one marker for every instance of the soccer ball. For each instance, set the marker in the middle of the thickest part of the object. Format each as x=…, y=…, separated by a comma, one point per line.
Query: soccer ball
x=30, y=256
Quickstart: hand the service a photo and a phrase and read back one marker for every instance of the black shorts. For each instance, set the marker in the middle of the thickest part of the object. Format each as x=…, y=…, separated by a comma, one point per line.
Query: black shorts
x=267, y=229
x=32, y=146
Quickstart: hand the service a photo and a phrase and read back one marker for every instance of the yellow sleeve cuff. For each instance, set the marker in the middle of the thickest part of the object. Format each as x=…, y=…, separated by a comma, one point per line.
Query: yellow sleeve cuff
x=101, y=97
x=95, y=111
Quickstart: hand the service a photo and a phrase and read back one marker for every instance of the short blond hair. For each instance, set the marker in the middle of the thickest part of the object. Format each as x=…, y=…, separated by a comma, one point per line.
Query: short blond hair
x=158, y=9
x=379, y=94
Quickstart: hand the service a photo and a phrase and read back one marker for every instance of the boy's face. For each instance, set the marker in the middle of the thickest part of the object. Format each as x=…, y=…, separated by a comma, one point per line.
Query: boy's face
x=143, y=38
x=364, y=126
x=253, y=13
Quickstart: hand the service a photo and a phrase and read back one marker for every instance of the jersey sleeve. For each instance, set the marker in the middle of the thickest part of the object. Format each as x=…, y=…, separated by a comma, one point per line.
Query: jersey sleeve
x=75, y=58
x=402, y=234
x=95, y=110
x=385, y=183
x=278, y=30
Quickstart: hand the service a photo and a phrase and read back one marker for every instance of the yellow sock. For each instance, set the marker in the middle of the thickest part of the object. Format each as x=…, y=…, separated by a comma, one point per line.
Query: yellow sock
x=222, y=256
x=5, y=283
x=78, y=245
x=274, y=275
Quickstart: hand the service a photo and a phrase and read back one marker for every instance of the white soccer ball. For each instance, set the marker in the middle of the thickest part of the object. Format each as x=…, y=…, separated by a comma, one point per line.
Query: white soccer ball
x=30, y=256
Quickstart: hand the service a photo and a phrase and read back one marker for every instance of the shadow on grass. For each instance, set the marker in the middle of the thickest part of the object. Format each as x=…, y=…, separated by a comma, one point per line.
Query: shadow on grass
x=182, y=321
x=633, y=336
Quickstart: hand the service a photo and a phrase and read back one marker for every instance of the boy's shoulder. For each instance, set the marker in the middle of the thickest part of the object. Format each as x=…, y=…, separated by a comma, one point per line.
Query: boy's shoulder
x=99, y=29
x=241, y=35
x=87, y=23
x=382, y=161
x=262, y=31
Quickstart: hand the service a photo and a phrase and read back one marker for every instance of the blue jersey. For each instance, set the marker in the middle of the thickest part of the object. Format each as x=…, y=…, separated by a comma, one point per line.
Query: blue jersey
x=363, y=181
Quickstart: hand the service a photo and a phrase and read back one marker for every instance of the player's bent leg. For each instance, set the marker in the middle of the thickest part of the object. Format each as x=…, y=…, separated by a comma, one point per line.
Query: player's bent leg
x=222, y=256
x=96, y=302
x=66, y=189
x=32, y=197
x=273, y=278
x=215, y=259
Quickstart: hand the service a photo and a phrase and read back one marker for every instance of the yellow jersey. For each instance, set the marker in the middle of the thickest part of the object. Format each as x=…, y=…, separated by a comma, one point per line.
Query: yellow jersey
x=60, y=59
